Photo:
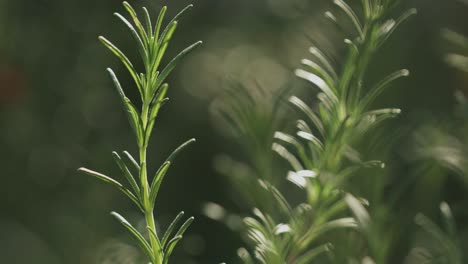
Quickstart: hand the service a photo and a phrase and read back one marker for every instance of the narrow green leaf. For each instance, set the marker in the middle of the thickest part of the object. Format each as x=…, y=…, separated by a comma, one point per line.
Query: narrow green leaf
x=308, y=112
x=168, y=32
x=380, y=87
x=348, y=69
x=316, y=144
x=149, y=25
x=179, y=149
x=319, y=82
x=157, y=101
x=288, y=156
x=140, y=239
x=367, y=8
x=184, y=226
x=101, y=177
x=152, y=233
x=303, y=126
x=360, y=213
x=137, y=22
x=385, y=111
x=280, y=199
x=172, y=243
x=162, y=46
x=173, y=63
x=352, y=45
x=126, y=172
x=323, y=59
x=405, y=16
x=170, y=247
x=327, y=104
x=113, y=182
x=320, y=72
x=132, y=112
x=352, y=16
x=157, y=181
x=171, y=228
x=174, y=19
x=142, y=48
x=316, y=231
x=288, y=139
x=266, y=219
x=157, y=26
x=125, y=61
x=132, y=160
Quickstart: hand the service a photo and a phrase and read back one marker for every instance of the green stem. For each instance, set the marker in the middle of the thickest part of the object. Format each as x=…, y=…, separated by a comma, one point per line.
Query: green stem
x=145, y=189
x=149, y=217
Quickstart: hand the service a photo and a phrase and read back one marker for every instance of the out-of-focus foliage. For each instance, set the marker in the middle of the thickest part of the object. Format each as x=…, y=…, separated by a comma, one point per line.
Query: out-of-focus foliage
x=322, y=154
x=458, y=58
x=441, y=243
x=55, y=115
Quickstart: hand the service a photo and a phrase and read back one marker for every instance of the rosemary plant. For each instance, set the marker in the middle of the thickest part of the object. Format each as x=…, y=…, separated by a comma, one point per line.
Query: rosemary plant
x=322, y=153
x=152, y=41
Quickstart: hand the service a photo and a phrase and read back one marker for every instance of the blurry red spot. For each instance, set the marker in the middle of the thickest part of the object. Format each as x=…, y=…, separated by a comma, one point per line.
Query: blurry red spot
x=12, y=84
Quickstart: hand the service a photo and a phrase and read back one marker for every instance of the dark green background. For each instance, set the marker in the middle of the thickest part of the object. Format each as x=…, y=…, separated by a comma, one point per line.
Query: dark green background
x=58, y=111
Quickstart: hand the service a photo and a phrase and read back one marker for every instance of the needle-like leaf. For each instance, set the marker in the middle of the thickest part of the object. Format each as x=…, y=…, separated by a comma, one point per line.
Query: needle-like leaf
x=142, y=47
x=126, y=172
x=125, y=61
x=132, y=112
x=137, y=22
x=139, y=237
x=173, y=63
x=113, y=182
x=132, y=160
x=157, y=181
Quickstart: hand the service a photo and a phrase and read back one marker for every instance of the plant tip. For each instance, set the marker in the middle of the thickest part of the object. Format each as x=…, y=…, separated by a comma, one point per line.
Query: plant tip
x=445, y=208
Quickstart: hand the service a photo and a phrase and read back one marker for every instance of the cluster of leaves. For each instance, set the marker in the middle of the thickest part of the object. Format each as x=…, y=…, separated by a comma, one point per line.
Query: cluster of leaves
x=321, y=153
x=152, y=42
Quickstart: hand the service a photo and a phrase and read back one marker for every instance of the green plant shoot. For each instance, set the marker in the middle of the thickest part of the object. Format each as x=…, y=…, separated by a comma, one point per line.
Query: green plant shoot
x=152, y=41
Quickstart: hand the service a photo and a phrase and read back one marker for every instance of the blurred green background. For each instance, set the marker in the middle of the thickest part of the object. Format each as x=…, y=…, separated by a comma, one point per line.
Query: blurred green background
x=58, y=111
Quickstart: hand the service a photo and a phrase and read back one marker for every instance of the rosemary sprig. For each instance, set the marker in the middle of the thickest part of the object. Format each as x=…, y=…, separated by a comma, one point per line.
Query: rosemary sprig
x=322, y=152
x=151, y=42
